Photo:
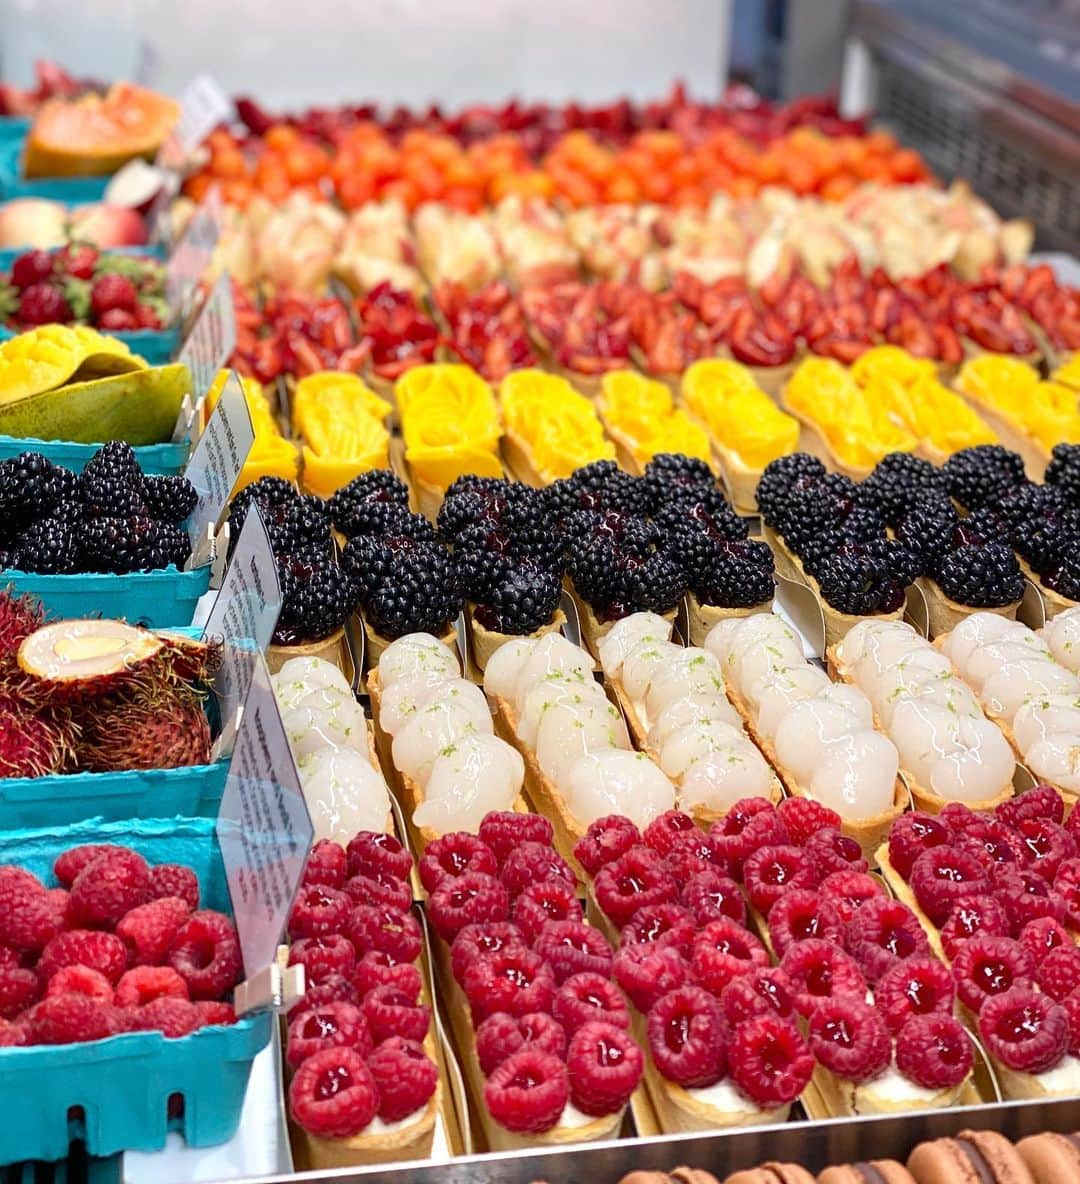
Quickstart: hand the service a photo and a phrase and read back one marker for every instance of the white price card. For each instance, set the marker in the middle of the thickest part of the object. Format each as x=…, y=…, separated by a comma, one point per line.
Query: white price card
x=203, y=105
x=264, y=829
x=245, y=613
x=219, y=456
x=193, y=252
x=212, y=339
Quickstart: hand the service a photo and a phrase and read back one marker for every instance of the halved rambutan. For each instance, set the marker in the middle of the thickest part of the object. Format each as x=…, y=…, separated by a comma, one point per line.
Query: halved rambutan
x=88, y=659
x=190, y=659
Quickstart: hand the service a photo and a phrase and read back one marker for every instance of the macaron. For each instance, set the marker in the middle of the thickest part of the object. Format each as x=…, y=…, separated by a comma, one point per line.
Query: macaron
x=973, y=1157
x=680, y=1175
x=1052, y=1158
x=772, y=1173
x=876, y=1171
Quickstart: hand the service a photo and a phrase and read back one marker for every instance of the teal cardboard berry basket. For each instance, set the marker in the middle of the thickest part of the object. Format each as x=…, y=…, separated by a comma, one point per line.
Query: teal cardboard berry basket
x=127, y=1092
x=155, y=460
x=8, y=255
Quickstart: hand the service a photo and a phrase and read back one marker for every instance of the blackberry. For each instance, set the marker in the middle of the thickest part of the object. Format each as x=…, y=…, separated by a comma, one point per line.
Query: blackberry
x=134, y=543
x=172, y=545
x=458, y=512
x=862, y=525
x=67, y=483
x=674, y=478
x=48, y=547
x=617, y=577
x=1063, y=470
x=865, y=579
x=378, y=486
x=522, y=602
x=983, y=474
x=733, y=574
x=111, y=485
x=302, y=526
x=1049, y=542
x=317, y=599
x=30, y=488
x=897, y=480
x=169, y=499
x=70, y=512
x=421, y=593
x=598, y=486
x=534, y=532
x=982, y=575
x=709, y=513
x=380, y=517
x=779, y=477
x=1064, y=578
x=1028, y=503
x=926, y=530
x=367, y=559
x=481, y=571
x=267, y=491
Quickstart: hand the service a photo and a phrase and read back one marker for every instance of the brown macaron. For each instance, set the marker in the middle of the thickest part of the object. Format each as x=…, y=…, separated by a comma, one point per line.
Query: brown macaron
x=681, y=1175
x=1052, y=1158
x=772, y=1173
x=643, y=1177
x=973, y=1157
x=874, y=1171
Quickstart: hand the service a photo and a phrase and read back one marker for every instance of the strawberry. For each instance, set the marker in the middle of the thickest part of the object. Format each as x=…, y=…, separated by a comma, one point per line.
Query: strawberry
x=118, y=320
x=33, y=267
x=78, y=260
x=112, y=292
x=42, y=304
x=146, y=317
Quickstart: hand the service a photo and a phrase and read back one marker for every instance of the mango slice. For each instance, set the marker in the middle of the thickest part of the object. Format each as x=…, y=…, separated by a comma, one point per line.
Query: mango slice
x=54, y=355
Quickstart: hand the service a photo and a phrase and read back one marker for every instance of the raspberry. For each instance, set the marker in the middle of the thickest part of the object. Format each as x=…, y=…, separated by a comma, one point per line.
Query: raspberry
x=764, y=991
x=476, y=941
x=1043, y=935
x=453, y=855
x=1071, y=1003
x=1072, y=823
x=212, y=1014
x=917, y=986
x=801, y=914
x=992, y=842
x=505, y=830
x=1024, y=1030
x=333, y=1025
x=538, y=904
x=68, y=864
x=943, y=874
x=769, y=1060
x=1027, y=897
x=502, y=1035
x=372, y=851
x=144, y=984
x=1041, y=801
x=986, y=966
x=84, y=947
x=372, y=928
x=1059, y=972
x=107, y=888
x=319, y=910
x=882, y=933
x=19, y=988
x=848, y=890
x=326, y=865
x=606, y=840
x=333, y=1094
x=686, y=1034
x=669, y=830
x=12, y=1035
x=171, y=1016
x=66, y=1019
x=529, y=863
x=206, y=954
x=723, y=951
x=820, y=971
x=392, y=1012
x=911, y=835
x=27, y=918
x=585, y=998
x=803, y=817
x=771, y=872
x=971, y=915
x=604, y=1066
x=572, y=947
x=378, y=969
x=514, y=981
x=661, y=924
x=747, y=827
x=334, y=989
x=959, y=818
x=686, y=861
x=80, y=980
x=125, y=1019
x=528, y=1092
x=380, y=889
x=174, y=879
x=631, y=882
x=1048, y=845
x=712, y=896
x=467, y=900
x=850, y=1039
x=323, y=956
x=835, y=852
x=8, y=957
x=58, y=902
x=405, y=1077
x=934, y=1051
x=645, y=972
x=1067, y=886
x=150, y=930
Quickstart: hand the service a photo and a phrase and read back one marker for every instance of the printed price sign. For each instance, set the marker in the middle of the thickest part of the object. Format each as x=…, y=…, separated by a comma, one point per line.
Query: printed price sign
x=244, y=615
x=193, y=252
x=263, y=828
x=218, y=457
x=212, y=339
x=203, y=105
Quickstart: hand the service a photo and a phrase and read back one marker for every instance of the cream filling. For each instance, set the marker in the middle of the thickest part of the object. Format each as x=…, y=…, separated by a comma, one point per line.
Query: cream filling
x=1063, y=1079
x=723, y=1096
x=893, y=1086
x=572, y=1117
x=377, y=1127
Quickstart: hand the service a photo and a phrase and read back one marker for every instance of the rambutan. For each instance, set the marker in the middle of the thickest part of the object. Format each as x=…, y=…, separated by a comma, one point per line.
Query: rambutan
x=33, y=744
x=190, y=659
x=153, y=726
x=83, y=660
x=19, y=617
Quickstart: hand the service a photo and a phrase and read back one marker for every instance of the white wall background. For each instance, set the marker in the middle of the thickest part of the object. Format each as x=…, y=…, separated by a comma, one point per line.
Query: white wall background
x=294, y=52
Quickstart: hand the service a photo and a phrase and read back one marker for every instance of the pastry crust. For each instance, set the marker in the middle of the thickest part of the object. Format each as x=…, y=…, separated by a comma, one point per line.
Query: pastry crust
x=331, y=649
x=375, y=644
x=593, y=629
x=409, y=1142
x=701, y=618
x=943, y=613
x=1053, y=602
x=485, y=642
x=812, y=440
x=517, y=458
x=1035, y=456
x=829, y=1096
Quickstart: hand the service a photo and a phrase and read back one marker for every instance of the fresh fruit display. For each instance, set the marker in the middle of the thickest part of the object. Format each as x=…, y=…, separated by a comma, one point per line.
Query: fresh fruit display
x=364, y=1084
x=583, y=335
x=110, y=518
x=437, y=741
x=114, y=293
x=53, y=82
x=395, y=335
x=545, y=1032
x=33, y=222
x=341, y=426
x=339, y=772
x=485, y=329
x=639, y=414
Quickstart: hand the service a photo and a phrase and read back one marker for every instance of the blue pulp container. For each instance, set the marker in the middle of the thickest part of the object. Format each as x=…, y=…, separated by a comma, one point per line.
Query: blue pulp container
x=14, y=129
x=121, y=1086
x=162, y=460
x=8, y=255
x=73, y=191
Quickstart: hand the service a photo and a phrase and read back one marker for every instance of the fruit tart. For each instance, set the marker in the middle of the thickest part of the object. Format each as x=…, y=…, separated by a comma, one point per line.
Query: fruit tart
x=395, y=335
x=485, y=329
x=574, y=328
x=533, y=242
x=638, y=414
x=455, y=246
x=377, y=247
x=617, y=243
x=342, y=428
x=1062, y=636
